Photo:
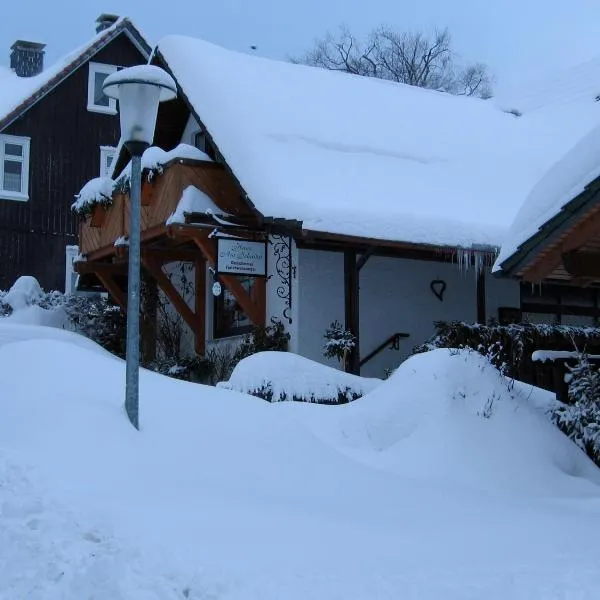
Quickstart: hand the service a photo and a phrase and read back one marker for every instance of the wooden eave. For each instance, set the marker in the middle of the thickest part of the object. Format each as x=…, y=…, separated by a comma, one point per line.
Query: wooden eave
x=125, y=26
x=335, y=242
x=539, y=257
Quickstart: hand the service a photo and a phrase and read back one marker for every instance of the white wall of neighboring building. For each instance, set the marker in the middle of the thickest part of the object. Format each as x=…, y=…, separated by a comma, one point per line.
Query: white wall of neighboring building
x=395, y=297
x=501, y=293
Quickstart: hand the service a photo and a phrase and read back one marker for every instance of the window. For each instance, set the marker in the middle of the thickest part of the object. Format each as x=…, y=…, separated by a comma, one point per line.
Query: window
x=229, y=318
x=107, y=156
x=14, y=167
x=97, y=101
x=199, y=140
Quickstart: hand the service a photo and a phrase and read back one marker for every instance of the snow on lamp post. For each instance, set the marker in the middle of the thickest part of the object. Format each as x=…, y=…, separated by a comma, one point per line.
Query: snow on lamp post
x=139, y=90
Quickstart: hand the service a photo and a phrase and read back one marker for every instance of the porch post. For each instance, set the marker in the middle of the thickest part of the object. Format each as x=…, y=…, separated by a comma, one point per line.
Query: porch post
x=481, y=309
x=352, y=314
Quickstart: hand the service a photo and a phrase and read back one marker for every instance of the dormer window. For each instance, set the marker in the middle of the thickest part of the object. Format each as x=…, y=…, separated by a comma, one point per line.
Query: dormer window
x=97, y=100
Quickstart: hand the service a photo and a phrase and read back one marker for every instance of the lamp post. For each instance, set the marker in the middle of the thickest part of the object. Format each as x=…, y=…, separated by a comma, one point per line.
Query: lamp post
x=139, y=91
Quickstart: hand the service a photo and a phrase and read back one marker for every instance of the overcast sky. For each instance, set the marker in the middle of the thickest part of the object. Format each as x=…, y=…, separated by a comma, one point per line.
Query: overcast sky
x=518, y=39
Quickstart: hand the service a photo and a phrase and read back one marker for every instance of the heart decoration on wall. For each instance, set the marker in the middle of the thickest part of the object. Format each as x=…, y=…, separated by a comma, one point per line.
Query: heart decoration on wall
x=438, y=287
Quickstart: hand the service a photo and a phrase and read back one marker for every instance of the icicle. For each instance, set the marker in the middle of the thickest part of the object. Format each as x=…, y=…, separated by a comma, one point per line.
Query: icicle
x=480, y=258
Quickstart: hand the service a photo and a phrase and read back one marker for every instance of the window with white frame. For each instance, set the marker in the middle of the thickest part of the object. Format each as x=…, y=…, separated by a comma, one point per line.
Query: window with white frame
x=107, y=156
x=98, y=101
x=14, y=167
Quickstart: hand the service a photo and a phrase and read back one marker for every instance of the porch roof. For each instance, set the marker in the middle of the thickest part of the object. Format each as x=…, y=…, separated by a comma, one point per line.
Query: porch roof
x=362, y=157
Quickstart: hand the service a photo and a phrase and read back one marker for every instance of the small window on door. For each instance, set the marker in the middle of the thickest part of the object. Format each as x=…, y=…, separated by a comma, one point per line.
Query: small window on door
x=107, y=156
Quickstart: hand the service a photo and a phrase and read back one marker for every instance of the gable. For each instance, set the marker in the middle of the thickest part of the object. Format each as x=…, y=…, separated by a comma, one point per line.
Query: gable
x=20, y=94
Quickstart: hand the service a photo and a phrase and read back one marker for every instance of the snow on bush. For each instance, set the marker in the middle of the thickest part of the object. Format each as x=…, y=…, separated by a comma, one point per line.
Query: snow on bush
x=280, y=376
x=26, y=291
x=580, y=421
x=338, y=342
x=90, y=315
x=97, y=191
x=510, y=347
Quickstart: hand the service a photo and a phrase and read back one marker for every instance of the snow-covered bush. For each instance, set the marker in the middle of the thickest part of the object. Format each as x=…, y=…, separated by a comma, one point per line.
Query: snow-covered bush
x=284, y=376
x=580, y=420
x=26, y=291
x=338, y=342
x=510, y=347
x=93, y=316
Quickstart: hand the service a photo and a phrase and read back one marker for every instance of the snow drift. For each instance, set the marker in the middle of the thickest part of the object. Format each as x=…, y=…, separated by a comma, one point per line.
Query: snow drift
x=450, y=416
x=288, y=376
x=222, y=495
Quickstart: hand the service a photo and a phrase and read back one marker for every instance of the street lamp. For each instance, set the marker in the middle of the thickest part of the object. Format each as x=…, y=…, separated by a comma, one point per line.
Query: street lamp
x=139, y=91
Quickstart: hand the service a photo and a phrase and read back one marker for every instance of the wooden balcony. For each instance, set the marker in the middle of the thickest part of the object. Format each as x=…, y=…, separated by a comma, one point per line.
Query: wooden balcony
x=102, y=242
x=160, y=197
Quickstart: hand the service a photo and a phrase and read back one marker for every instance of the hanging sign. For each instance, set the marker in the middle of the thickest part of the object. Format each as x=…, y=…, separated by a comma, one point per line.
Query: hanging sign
x=216, y=289
x=241, y=257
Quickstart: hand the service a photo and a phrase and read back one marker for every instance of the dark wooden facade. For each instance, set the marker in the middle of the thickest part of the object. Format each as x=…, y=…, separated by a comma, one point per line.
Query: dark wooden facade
x=64, y=154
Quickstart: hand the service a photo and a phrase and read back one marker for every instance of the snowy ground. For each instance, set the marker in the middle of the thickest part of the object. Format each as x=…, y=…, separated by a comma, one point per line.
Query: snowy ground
x=418, y=490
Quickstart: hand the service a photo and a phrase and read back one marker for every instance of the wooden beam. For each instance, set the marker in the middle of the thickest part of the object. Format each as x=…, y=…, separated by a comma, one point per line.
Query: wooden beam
x=352, y=309
x=582, y=265
x=166, y=255
x=84, y=267
x=255, y=310
x=481, y=308
x=165, y=284
x=573, y=239
x=363, y=259
x=113, y=288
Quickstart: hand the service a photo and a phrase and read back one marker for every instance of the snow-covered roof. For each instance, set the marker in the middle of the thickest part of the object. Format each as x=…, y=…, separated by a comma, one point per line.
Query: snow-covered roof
x=569, y=108
x=364, y=157
x=20, y=92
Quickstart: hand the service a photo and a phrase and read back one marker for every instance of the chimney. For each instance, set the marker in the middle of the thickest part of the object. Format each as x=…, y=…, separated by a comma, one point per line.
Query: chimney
x=27, y=58
x=104, y=21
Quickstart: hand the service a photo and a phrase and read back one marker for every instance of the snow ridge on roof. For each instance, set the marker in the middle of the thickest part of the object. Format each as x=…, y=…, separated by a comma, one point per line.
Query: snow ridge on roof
x=358, y=156
x=565, y=107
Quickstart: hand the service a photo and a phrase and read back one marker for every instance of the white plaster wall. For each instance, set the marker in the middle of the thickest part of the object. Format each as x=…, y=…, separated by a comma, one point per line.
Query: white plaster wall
x=319, y=300
x=395, y=297
x=500, y=293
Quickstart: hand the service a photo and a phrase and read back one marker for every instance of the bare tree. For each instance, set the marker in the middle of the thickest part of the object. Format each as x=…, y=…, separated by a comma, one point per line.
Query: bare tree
x=413, y=57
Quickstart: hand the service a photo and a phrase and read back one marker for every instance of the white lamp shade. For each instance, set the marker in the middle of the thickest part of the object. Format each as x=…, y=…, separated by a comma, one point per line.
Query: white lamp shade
x=138, y=108
x=139, y=90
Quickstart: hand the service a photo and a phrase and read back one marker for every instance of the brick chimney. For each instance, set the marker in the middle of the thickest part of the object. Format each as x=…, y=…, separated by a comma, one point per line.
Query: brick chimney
x=27, y=58
x=104, y=21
